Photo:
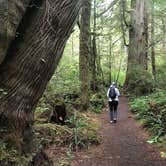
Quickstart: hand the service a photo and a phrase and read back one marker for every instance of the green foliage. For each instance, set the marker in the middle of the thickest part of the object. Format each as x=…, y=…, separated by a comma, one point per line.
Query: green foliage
x=140, y=82
x=139, y=104
x=79, y=132
x=84, y=130
x=9, y=155
x=49, y=133
x=161, y=76
x=114, y=75
x=151, y=110
x=160, y=4
x=65, y=79
x=79, y=124
x=97, y=102
x=41, y=109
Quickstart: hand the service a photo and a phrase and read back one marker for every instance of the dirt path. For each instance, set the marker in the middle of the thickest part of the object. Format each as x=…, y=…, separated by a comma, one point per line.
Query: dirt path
x=123, y=144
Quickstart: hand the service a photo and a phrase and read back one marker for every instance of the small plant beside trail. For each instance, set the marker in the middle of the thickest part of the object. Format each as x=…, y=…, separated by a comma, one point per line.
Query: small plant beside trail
x=78, y=125
x=79, y=131
x=151, y=111
x=97, y=102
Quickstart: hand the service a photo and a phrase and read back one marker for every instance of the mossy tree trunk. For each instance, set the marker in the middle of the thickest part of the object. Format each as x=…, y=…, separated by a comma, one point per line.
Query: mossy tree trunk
x=153, y=59
x=94, y=52
x=84, y=56
x=29, y=64
x=138, y=40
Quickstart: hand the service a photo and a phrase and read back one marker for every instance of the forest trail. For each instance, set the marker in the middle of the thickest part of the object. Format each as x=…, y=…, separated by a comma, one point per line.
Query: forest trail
x=123, y=144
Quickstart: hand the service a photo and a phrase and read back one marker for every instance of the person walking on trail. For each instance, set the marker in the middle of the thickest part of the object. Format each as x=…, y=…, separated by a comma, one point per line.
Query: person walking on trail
x=113, y=94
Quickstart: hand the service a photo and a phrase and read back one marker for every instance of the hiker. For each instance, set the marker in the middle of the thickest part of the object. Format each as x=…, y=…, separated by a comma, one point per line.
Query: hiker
x=113, y=94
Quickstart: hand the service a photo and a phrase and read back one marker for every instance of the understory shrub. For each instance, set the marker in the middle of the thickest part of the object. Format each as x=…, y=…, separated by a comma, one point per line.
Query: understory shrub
x=97, y=102
x=79, y=131
x=10, y=156
x=151, y=110
x=161, y=76
x=141, y=82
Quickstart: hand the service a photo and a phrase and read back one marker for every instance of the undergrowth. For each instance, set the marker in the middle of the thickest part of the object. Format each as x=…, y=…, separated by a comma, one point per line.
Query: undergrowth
x=151, y=111
x=79, y=131
x=97, y=102
x=10, y=156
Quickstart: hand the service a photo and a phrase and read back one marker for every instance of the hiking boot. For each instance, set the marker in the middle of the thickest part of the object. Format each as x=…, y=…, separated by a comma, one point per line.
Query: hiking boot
x=114, y=120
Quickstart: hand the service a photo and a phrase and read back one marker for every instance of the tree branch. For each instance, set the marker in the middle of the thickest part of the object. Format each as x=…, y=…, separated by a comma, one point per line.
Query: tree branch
x=153, y=43
x=109, y=7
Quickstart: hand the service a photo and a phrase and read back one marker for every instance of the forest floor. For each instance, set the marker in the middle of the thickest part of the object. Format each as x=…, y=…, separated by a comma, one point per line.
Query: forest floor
x=123, y=143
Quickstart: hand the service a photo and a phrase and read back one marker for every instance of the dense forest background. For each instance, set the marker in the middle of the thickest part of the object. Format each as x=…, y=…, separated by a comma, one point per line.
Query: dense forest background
x=103, y=41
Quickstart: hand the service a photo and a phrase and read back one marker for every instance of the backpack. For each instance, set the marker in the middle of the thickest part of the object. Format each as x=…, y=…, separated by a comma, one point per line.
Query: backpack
x=112, y=93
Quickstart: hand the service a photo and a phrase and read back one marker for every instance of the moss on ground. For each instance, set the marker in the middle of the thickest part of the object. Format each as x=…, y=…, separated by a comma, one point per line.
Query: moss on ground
x=50, y=134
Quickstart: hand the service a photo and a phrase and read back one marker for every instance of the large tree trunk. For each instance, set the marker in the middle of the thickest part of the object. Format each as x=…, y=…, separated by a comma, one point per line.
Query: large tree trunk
x=100, y=74
x=164, y=31
x=85, y=42
x=30, y=63
x=138, y=39
x=110, y=59
x=94, y=53
x=153, y=61
x=11, y=12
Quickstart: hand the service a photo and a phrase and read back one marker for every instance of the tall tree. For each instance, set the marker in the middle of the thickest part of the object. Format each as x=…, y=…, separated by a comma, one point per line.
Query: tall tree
x=164, y=31
x=94, y=51
x=11, y=13
x=30, y=63
x=110, y=58
x=84, y=56
x=153, y=62
x=138, y=39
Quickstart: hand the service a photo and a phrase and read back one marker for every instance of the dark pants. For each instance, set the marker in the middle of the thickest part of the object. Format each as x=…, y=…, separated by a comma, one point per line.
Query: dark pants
x=113, y=107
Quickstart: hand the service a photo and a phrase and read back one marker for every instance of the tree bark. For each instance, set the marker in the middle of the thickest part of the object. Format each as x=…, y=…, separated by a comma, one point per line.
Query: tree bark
x=123, y=21
x=120, y=63
x=110, y=59
x=11, y=12
x=100, y=74
x=84, y=56
x=164, y=32
x=138, y=38
x=30, y=63
x=94, y=52
x=153, y=61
